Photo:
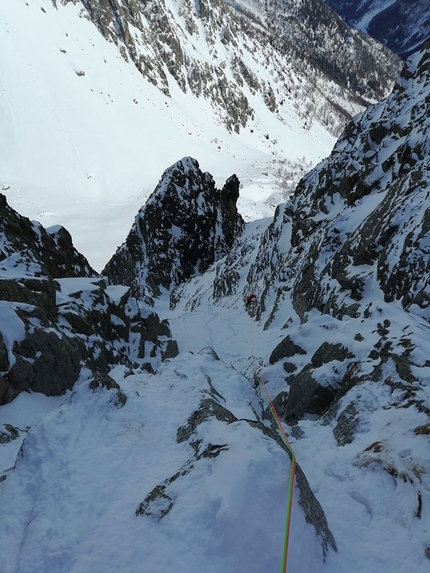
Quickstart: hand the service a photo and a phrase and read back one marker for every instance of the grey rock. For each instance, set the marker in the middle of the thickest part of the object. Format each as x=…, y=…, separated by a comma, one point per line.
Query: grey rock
x=46, y=362
x=347, y=424
x=328, y=352
x=42, y=254
x=185, y=226
x=285, y=349
x=305, y=396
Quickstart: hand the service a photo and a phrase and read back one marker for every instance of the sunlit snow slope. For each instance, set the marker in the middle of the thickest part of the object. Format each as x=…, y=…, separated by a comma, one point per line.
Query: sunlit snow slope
x=85, y=138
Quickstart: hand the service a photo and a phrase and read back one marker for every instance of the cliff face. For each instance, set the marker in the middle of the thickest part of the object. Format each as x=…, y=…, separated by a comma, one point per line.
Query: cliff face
x=221, y=51
x=59, y=318
x=185, y=226
x=359, y=221
x=30, y=249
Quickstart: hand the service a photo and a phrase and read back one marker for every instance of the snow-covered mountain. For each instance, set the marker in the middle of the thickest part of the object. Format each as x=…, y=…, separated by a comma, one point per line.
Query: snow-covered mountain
x=157, y=460
x=401, y=26
x=99, y=97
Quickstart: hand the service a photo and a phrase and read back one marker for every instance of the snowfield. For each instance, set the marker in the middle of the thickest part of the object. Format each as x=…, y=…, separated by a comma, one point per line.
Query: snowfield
x=183, y=470
x=90, y=144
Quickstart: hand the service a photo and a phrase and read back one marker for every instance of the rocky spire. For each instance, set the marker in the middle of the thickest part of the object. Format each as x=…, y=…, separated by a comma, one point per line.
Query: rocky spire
x=185, y=226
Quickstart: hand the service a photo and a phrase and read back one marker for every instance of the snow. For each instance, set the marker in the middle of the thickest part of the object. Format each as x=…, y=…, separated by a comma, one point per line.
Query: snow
x=79, y=152
x=366, y=19
x=86, y=151
x=106, y=460
x=87, y=465
x=27, y=410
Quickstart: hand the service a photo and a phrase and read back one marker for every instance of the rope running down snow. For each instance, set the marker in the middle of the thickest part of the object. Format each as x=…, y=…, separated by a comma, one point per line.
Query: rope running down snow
x=293, y=458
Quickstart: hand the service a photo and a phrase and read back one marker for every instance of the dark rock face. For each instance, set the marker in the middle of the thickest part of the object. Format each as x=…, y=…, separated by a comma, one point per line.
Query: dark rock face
x=41, y=253
x=44, y=362
x=185, y=226
x=393, y=171
x=57, y=316
x=376, y=176
x=286, y=348
x=83, y=326
x=348, y=253
x=308, y=394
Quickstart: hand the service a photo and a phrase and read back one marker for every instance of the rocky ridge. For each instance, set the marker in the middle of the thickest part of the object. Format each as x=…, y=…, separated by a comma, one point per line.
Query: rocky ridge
x=342, y=274
x=341, y=278
x=357, y=224
x=352, y=243
x=184, y=227
x=65, y=317
x=55, y=332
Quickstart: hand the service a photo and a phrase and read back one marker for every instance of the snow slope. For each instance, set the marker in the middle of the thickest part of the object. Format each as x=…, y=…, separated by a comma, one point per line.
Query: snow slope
x=72, y=502
x=87, y=467
x=85, y=138
x=181, y=470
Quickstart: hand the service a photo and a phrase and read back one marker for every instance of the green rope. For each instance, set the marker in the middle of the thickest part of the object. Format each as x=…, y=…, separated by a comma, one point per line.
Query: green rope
x=292, y=470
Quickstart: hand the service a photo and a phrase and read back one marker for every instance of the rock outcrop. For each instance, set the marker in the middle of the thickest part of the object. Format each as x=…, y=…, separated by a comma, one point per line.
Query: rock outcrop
x=345, y=264
x=352, y=248
x=57, y=316
x=30, y=250
x=184, y=227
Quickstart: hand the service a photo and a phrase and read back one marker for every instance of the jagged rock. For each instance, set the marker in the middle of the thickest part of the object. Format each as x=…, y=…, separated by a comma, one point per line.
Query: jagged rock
x=185, y=226
x=89, y=326
x=58, y=315
x=286, y=348
x=329, y=265
x=169, y=350
x=314, y=513
x=10, y=433
x=105, y=381
x=328, y=352
x=46, y=362
x=42, y=253
x=306, y=396
x=39, y=292
x=347, y=423
x=115, y=328
x=209, y=408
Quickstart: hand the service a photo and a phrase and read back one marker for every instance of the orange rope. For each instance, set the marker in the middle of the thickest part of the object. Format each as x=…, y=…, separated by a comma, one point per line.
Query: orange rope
x=292, y=471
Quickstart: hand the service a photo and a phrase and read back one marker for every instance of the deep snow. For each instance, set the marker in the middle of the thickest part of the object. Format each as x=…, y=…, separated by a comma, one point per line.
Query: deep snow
x=80, y=152
x=86, y=466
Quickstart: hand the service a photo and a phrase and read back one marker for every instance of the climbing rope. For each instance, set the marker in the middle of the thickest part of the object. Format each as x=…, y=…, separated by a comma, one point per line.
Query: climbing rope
x=293, y=458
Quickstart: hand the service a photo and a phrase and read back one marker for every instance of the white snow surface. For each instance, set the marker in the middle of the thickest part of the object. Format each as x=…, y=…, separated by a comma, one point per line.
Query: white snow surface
x=79, y=152
x=86, y=465
x=85, y=138
x=365, y=20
